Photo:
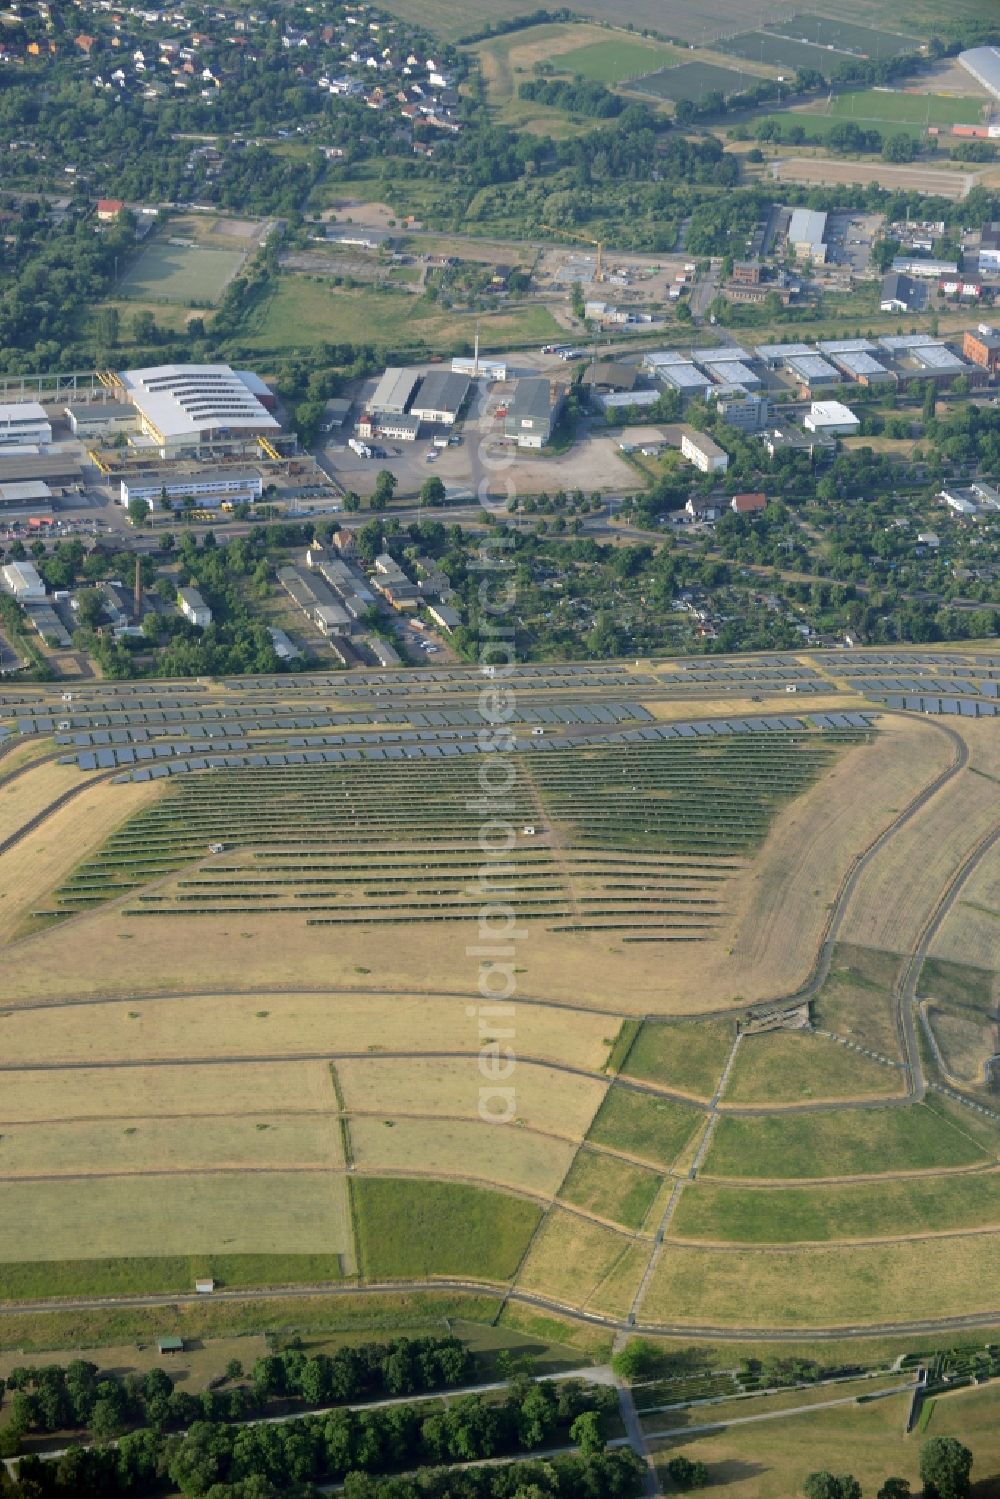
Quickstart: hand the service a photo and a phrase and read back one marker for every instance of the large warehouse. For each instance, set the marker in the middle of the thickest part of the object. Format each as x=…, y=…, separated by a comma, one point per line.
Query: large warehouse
x=186, y=407
x=984, y=65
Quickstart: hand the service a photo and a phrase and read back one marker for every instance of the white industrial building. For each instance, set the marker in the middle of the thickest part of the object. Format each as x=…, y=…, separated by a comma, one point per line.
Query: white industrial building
x=984, y=65
x=209, y=488
x=832, y=418
x=399, y=428
x=705, y=454
x=747, y=413
x=28, y=494
x=185, y=407
x=24, y=424
x=485, y=369
x=22, y=580
x=193, y=607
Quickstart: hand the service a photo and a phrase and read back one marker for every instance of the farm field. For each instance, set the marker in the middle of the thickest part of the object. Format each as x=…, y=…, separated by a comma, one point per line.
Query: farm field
x=570, y=1257
x=688, y=1058
x=845, y=1285
x=191, y=274
x=184, y=1026
x=854, y=1142
x=451, y=1229
x=797, y=1067
x=862, y=1210
x=462, y=1148
x=611, y=1188
x=266, y=1212
x=299, y=310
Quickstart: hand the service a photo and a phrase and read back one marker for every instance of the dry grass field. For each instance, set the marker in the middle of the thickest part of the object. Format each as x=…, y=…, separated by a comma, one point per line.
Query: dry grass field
x=569, y=1258
x=88, y=1093
x=245, y=1025
x=897, y=893
x=267, y=1212
x=551, y=1102
x=29, y=794
x=826, y=1287
x=134, y=1144
x=970, y=932
x=462, y=1149
x=813, y=171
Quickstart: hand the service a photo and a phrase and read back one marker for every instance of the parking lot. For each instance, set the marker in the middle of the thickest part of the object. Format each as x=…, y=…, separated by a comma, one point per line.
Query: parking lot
x=849, y=236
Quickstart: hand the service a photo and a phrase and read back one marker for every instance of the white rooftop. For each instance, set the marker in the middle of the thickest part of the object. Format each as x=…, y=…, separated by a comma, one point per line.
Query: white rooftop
x=16, y=412
x=831, y=413
x=192, y=400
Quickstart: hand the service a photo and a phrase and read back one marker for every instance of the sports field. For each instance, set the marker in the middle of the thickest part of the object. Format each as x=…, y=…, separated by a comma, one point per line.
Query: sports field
x=616, y=60
x=180, y=272
x=848, y=36
x=692, y=80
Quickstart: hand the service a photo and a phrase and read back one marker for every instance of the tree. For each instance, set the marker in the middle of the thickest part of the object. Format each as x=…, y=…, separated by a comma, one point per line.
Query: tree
x=108, y=327
x=945, y=1466
x=90, y=607
x=586, y=1433
x=826, y=1485
x=144, y=327
x=432, y=491
x=576, y=300
x=385, y=488
x=637, y=1360
x=687, y=1473
x=138, y=511
x=894, y=1488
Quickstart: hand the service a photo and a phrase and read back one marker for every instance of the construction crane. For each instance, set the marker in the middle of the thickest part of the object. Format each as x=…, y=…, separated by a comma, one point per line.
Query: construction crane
x=584, y=239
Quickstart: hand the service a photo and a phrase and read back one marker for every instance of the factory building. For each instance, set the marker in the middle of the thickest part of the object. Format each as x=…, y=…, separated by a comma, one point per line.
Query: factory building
x=24, y=424
x=184, y=408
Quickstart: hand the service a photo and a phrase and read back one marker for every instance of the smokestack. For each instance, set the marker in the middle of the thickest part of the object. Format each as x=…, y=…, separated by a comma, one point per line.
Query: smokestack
x=137, y=605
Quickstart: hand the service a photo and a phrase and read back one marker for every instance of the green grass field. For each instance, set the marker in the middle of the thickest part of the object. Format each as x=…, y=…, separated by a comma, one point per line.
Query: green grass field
x=178, y=273
x=797, y=1066
x=639, y=1124
x=853, y=1142
x=958, y=984
x=897, y=108
x=688, y=1057
x=616, y=60
x=31, y=1280
x=856, y=998
x=408, y=1229
x=300, y=310
x=612, y=1189
x=788, y=1215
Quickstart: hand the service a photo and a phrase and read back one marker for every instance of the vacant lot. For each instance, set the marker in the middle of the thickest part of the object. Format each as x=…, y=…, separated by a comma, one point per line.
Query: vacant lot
x=170, y=272
x=797, y=1066
x=267, y=1212
x=639, y=1124
x=552, y=1102
x=929, y=180
x=297, y=310
x=500, y=1153
x=610, y=1188
x=861, y=1210
x=825, y=1287
x=852, y=1142
x=689, y=1057
x=450, y=1229
x=570, y=1257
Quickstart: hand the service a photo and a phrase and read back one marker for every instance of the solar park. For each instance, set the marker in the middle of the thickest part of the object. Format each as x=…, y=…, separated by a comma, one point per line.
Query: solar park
x=267, y=893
